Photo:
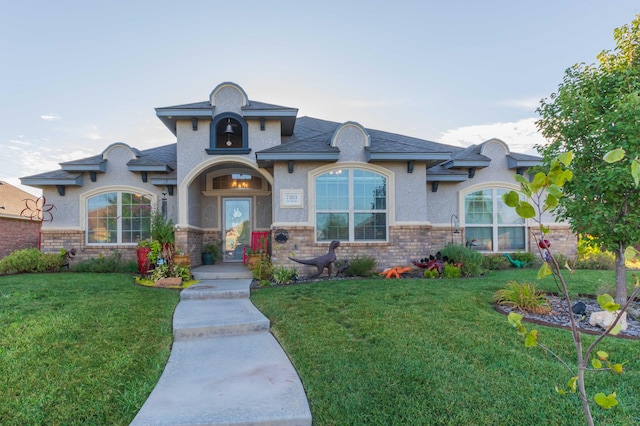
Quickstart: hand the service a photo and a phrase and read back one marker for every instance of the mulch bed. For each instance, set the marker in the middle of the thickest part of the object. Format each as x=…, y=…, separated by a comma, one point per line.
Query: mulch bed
x=559, y=316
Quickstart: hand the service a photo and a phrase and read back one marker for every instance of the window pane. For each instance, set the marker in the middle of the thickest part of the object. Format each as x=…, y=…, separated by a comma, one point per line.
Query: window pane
x=102, y=214
x=136, y=211
x=479, y=238
x=370, y=226
x=511, y=238
x=478, y=207
x=506, y=215
x=332, y=190
x=332, y=226
x=369, y=191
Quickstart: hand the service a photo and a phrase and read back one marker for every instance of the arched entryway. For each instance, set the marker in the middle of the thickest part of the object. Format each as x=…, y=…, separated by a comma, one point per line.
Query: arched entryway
x=227, y=202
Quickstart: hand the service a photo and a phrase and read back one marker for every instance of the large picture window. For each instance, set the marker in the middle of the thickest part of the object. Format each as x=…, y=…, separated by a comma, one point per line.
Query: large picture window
x=351, y=205
x=118, y=218
x=490, y=225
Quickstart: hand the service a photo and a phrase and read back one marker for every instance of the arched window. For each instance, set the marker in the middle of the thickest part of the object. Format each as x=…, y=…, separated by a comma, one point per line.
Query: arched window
x=351, y=205
x=490, y=225
x=118, y=218
x=228, y=135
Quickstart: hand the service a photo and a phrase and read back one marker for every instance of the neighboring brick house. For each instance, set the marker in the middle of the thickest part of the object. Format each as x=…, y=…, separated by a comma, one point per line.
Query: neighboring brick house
x=241, y=166
x=16, y=231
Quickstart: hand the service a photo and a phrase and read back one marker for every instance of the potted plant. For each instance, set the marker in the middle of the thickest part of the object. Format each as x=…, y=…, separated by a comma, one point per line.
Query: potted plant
x=210, y=253
x=142, y=251
x=253, y=256
x=181, y=257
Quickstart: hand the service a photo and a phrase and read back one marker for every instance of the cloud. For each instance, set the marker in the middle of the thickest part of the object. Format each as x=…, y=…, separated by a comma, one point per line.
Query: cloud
x=51, y=117
x=521, y=136
x=91, y=132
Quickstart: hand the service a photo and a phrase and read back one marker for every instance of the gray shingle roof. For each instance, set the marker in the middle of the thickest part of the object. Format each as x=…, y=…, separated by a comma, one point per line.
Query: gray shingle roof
x=161, y=156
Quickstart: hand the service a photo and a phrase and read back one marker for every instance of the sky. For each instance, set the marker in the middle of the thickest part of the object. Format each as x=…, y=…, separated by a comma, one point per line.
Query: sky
x=77, y=76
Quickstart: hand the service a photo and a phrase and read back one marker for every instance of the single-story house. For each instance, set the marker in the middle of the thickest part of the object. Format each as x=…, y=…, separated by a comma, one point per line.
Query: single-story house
x=241, y=167
x=20, y=219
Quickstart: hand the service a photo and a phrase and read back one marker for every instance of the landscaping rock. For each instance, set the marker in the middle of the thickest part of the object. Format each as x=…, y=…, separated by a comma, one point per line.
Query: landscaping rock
x=603, y=319
x=634, y=313
x=169, y=282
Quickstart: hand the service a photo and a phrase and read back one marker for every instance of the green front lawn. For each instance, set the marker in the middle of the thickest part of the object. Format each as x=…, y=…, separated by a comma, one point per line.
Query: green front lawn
x=83, y=349
x=417, y=351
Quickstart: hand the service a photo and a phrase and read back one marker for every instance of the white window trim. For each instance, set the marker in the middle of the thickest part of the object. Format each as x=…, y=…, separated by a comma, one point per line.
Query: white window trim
x=351, y=165
x=494, y=226
x=84, y=198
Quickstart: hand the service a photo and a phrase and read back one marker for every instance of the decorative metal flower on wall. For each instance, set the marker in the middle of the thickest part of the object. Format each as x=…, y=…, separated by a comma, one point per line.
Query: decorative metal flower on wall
x=38, y=209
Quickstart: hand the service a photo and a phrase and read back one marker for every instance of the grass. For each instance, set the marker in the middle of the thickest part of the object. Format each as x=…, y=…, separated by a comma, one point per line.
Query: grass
x=435, y=352
x=80, y=348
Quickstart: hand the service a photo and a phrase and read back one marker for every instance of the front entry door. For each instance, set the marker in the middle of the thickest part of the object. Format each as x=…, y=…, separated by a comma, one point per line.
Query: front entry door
x=237, y=228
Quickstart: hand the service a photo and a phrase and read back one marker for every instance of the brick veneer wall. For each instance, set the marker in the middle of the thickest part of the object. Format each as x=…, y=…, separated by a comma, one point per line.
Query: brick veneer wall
x=17, y=233
x=406, y=242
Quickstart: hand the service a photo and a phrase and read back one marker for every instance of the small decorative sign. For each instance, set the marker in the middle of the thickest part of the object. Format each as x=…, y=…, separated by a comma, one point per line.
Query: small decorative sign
x=291, y=198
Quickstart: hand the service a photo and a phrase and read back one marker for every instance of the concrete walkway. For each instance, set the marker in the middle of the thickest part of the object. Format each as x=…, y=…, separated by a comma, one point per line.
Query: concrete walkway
x=225, y=367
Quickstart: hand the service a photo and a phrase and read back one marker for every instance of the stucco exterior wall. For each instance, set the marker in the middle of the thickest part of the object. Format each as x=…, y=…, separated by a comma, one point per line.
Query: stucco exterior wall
x=70, y=209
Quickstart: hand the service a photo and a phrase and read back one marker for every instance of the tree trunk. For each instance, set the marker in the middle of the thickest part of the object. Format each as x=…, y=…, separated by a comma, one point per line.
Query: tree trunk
x=621, y=277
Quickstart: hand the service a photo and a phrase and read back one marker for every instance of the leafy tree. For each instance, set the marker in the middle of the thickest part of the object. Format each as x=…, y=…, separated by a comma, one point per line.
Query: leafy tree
x=596, y=110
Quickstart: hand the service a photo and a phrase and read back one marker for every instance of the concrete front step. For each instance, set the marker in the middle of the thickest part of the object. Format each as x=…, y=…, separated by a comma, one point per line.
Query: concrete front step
x=198, y=319
x=227, y=380
x=218, y=289
x=224, y=271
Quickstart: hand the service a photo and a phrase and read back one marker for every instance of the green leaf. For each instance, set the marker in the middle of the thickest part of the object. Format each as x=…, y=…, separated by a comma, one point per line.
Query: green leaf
x=573, y=383
x=607, y=303
x=514, y=318
x=606, y=401
x=602, y=355
x=521, y=179
x=616, y=330
x=525, y=210
x=544, y=270
x=617, y=368
x=566, y=157
x=531, y=341
x=511, y=198
x=550, y=202
x=635, y=171
x=596, y=363
x=614, y=156
x=555, y=191
x=544, y=229
x=560, y=391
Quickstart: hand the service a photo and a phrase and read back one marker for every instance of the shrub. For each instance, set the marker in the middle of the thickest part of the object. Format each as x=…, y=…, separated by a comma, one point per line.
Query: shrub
x=601, y=261
x=30, y=260
x=495, y=262
x=431, y=273
x=451, y=271
x=111, y=263
x=522, y=296
x=262, y=269
x=282, y=275
x=360, y=266
x=470, y=259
